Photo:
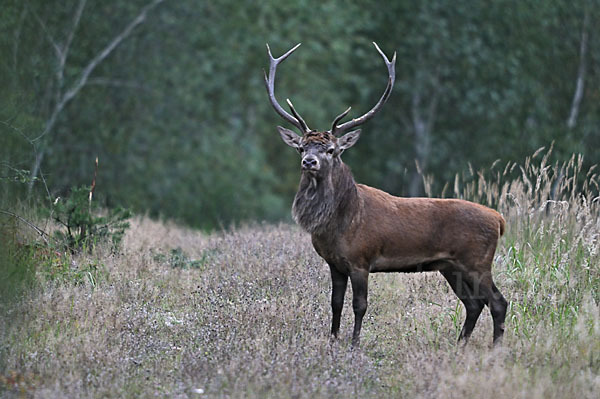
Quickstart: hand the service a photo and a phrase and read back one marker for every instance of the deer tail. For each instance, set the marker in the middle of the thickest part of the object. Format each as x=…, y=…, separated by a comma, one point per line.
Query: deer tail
x=502, y=225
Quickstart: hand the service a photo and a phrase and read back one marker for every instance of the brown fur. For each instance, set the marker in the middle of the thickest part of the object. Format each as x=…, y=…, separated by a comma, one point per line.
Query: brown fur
x=359, y=230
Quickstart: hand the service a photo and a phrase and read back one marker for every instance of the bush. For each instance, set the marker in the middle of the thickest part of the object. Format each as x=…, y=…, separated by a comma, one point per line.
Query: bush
x=84, y=228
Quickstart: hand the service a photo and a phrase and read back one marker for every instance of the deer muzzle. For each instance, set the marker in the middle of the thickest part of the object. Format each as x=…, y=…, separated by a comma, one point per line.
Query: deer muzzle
x=310, y=163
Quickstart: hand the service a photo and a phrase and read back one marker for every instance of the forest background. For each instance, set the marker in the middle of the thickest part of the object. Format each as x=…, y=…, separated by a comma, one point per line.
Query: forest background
x=169, y=95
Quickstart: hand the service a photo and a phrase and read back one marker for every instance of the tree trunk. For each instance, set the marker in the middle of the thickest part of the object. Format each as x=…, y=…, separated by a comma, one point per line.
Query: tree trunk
x=578, y=95
x=422, y=148
x=422, y=125
x=35, y=169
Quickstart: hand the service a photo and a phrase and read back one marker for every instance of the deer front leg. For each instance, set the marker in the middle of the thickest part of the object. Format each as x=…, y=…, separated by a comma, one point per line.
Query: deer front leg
x=339, y=281
x=360, y=282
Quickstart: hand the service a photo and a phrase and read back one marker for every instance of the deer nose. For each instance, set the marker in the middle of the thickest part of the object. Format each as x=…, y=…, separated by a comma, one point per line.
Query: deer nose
x=310, y=163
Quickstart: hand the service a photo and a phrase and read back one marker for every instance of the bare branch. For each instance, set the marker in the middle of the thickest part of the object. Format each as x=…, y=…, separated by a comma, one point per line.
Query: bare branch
x=18, y=38
x=35, y=153
x=101, y=56
x=17, y=130
x=49, y=37
x=67, y=45
x=63, y=100
x=41, y=232
x=76, y=19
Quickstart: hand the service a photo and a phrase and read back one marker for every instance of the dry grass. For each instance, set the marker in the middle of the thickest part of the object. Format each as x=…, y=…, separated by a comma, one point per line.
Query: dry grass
x=246, y=313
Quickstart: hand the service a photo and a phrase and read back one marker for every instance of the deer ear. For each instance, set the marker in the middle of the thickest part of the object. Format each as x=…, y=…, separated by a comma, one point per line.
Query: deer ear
x=289, y=137
x=348, y=139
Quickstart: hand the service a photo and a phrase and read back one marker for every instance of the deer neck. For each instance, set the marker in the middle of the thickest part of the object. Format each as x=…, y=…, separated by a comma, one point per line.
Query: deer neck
x=326, y=204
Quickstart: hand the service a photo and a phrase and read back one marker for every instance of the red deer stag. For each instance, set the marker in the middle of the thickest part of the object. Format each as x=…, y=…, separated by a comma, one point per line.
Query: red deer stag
x=359, y=230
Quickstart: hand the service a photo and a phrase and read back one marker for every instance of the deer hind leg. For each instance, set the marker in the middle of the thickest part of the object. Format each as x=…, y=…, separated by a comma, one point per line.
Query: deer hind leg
x=473, y=304
x=339, y=282
x=360, y=282
x=498, y=306
x=485, y=287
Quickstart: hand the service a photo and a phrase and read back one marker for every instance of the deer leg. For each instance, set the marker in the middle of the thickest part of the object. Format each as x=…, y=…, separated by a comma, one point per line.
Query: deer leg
x=473, y=304
x=339, y=281
x=485, y=287
x=498, y=306
x=360, y=282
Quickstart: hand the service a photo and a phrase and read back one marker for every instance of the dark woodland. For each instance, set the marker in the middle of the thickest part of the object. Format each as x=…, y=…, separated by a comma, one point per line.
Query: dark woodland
x=169, y=95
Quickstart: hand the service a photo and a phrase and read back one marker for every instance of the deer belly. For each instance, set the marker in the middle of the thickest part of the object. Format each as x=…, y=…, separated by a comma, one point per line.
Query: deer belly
x=409, y=264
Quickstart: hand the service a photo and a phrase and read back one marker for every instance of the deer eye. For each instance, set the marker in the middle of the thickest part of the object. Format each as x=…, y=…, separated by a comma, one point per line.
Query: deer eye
x=300, y=150
x=330, y=151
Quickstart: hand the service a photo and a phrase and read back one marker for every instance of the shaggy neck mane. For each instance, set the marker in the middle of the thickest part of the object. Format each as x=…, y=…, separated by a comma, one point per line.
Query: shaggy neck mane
x=318, y=202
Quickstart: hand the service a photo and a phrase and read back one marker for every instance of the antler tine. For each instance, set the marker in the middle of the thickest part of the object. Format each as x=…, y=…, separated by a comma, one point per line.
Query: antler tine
x=305, y=127
x=388, y=90
x=337, y=119
x=270, y=83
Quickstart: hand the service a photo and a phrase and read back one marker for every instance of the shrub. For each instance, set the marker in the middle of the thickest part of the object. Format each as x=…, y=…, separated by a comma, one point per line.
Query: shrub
x=83, y=226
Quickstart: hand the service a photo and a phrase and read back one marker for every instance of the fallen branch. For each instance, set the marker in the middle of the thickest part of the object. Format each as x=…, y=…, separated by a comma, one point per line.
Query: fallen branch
x=41, y=232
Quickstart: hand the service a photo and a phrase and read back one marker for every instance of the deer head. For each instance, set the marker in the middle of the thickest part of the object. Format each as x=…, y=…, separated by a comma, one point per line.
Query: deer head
x=321, y=150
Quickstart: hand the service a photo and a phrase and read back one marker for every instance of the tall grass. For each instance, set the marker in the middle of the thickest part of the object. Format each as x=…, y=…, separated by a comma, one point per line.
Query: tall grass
x=17, y=271
x=245, y=313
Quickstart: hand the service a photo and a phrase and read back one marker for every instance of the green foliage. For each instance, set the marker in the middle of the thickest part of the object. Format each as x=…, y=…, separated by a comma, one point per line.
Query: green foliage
x=17, y=262
x=19, y=176
x=67, y=268
x=83, y=228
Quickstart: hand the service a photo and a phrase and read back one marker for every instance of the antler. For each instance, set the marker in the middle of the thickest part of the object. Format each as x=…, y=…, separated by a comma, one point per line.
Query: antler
x=295, y=120
x=336, y=129
x=339, y=118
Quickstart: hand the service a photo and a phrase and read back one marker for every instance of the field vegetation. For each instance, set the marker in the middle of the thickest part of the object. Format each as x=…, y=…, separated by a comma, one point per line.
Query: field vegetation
x=245, y=312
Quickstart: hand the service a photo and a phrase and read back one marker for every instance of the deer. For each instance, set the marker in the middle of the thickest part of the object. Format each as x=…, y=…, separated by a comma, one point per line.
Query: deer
x=360, y=230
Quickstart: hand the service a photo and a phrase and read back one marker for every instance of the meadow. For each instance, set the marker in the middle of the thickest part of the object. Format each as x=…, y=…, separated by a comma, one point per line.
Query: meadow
x=245, y=312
